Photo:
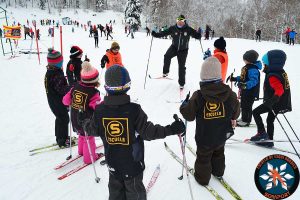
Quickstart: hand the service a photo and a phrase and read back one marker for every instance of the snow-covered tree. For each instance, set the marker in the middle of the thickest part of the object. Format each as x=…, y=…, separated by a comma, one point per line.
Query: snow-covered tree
x=133, y=10
x=100, y=5
x=42, y=4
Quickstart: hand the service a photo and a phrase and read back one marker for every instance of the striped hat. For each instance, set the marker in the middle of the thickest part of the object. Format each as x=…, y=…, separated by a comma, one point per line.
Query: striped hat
x=54, y=58
x=88, y=73
x=75, y=51
x=117, y=80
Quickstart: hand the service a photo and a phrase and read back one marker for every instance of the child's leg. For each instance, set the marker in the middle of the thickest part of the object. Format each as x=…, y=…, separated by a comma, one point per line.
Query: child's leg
x=270, y=125
x=246, y=105
x=86, y=153
x=203, y=166
x=116, y=189
x=258, y=120
x=80, y=144
x=135, y=188
x=218, y=162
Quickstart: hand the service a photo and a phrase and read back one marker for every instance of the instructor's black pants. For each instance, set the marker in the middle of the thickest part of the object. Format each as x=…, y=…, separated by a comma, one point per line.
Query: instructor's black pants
x=181, y=58
x=132, y=189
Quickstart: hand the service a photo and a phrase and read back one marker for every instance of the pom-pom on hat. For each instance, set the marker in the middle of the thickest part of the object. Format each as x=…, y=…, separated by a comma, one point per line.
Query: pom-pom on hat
x=117, y=80
x=75, y=51
x=250, y=56
x=115, y=45
x=220, y=43
x=54, y=58
x=88, y=73
x=211, y=70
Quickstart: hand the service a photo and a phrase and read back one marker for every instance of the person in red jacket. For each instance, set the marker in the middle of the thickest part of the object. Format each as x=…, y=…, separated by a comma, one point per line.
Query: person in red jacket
x=221, y=54
x=277, y=96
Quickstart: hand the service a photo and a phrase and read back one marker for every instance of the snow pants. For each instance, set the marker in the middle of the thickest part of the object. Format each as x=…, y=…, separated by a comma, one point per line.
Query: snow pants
x=259, y=122
x=181, y=58
x=83, y=148
x=61, y=124
x=246, y=107
x=209, y=161
x=131, y=189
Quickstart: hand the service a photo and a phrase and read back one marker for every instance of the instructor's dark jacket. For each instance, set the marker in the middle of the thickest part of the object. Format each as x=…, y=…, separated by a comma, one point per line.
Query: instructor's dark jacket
x=181, y=36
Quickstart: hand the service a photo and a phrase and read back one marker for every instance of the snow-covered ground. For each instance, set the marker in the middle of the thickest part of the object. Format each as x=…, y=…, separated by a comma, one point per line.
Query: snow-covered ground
x=27, y=121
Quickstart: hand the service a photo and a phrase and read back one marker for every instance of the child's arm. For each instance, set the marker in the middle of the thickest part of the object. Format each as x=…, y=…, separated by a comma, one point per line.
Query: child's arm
x=189, y=109
x=104, y=60
x=94, y=101
x=276, y=85
x=67, y=99
x=253, y=75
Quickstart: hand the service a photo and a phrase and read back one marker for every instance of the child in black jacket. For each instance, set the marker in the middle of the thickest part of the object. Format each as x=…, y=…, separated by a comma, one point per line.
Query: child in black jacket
x=123, y=126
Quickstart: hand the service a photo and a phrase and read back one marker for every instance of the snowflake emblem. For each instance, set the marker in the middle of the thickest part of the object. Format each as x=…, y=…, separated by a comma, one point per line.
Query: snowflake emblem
x=274, y=177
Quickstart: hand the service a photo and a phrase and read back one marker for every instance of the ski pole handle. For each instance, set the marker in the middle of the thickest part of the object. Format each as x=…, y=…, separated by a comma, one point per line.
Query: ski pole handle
x=175, y=116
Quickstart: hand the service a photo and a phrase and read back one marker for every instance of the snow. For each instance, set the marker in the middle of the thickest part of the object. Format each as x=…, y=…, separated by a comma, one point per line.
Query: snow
x=27, y=121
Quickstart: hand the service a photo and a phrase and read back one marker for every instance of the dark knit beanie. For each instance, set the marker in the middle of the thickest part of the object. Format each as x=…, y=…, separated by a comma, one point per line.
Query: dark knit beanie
x=117, y=80
x=54, y=58
x=181, y=17
x=250, y=56
x=75, y=51
x=220, y=44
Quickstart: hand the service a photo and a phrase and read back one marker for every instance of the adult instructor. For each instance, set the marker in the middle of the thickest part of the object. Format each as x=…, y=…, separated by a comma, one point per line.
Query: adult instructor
x=180, y=33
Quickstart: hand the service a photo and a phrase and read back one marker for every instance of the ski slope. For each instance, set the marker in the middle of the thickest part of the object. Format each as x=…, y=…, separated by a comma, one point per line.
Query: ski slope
x=27, y=122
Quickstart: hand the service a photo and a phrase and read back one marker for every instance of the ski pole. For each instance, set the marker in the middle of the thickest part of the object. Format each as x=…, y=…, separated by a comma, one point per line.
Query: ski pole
x=175, y=116
x=201, y=45
x=286, y=134
x=290, y=126
x=184, y=138
x=70, y=128
x=97, y=179
x=148, y=63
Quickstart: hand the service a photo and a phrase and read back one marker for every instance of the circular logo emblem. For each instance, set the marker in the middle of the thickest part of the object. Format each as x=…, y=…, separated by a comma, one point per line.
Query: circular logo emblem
x=115, y=128
x=276, y=176
x=212, y=107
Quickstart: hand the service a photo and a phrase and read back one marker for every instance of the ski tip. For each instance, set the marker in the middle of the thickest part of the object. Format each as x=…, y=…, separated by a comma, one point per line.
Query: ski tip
x=247, y=140
x=165, y=144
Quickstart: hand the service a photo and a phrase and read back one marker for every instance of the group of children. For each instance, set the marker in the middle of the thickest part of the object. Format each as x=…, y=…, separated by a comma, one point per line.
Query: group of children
x=123, y=126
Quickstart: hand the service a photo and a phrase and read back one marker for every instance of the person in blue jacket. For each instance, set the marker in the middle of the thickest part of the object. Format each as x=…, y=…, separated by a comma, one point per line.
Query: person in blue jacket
x=248, y=83
x=292, y=36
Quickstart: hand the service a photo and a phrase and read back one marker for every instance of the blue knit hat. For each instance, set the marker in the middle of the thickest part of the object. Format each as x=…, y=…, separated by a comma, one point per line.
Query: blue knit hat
x=274, y=59
x=117, y=80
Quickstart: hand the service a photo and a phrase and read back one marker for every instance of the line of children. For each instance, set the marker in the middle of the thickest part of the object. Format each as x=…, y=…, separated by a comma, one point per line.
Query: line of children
x=112, y=56
x=215, y=108
x=84, y=96
x=249, y=84
x=56, y=87
x=123, y=126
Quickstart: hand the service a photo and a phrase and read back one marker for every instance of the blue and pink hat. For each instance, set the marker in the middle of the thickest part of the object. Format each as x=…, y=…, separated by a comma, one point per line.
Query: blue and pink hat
x=54, y=58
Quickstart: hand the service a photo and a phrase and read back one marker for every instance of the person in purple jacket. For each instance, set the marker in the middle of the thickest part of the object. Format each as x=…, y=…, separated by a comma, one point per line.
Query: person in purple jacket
x=56, y=87
x=84, y=96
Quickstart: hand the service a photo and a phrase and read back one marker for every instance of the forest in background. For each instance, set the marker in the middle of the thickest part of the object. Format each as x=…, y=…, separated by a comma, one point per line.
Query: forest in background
x=230, y=18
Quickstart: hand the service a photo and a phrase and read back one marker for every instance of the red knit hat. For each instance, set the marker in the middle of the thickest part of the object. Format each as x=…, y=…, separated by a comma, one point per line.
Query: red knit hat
x=88, y=73
x=75, y=51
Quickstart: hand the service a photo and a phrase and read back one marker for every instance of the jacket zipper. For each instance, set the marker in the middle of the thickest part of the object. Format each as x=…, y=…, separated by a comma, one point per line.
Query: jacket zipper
x=179, y=42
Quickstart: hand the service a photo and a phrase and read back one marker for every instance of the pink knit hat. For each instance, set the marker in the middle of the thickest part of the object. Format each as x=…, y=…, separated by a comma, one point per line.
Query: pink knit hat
x=88, y=73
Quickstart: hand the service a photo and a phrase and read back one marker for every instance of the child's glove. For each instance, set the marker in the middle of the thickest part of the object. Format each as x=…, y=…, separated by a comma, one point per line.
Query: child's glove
x=186, y=99
x=242, y=85
x=71, y=67
x=270, y=102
